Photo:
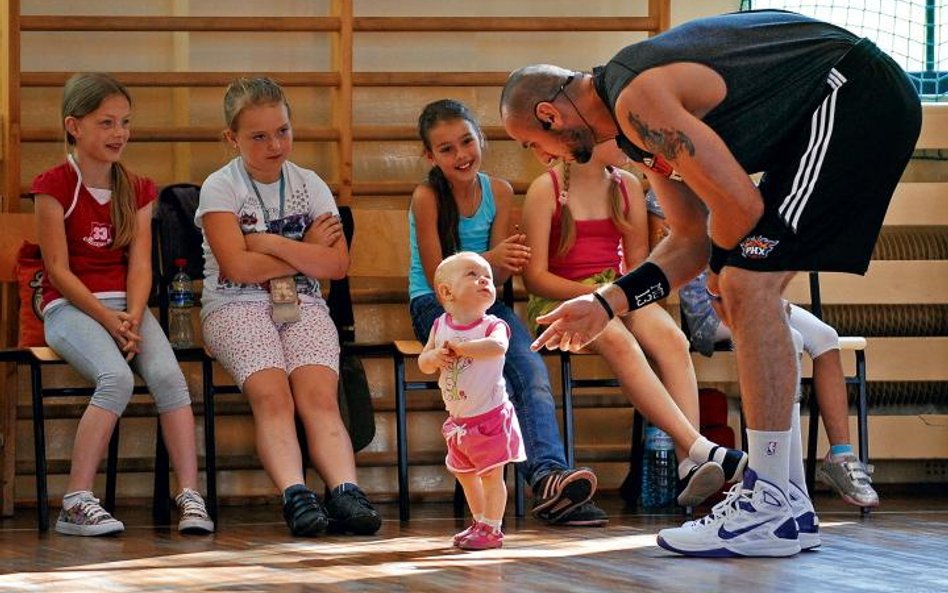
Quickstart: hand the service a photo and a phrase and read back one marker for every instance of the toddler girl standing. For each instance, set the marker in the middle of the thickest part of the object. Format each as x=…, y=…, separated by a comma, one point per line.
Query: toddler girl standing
x=482, y=431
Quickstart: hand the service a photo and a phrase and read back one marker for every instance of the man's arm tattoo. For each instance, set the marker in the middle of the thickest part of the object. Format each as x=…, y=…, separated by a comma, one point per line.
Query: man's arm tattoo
x=663, y=142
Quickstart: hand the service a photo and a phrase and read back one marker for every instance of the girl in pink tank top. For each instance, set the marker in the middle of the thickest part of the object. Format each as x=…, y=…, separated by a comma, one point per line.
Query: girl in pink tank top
x=586, y=224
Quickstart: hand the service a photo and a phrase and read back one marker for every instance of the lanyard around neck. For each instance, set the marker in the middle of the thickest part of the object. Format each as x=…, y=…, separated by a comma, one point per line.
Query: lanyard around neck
x=263, y=207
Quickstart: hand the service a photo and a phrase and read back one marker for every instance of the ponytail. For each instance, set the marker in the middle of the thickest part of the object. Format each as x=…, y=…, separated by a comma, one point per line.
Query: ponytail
x=617, y=206
x=124, y=206
x=448, y=215
x=567, y=223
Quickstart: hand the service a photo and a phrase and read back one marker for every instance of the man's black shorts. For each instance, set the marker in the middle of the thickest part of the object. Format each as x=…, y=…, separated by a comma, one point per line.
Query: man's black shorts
x=825, y=203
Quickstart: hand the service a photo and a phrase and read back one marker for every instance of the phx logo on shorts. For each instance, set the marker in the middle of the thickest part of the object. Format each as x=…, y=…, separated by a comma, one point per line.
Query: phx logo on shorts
x=757, y=247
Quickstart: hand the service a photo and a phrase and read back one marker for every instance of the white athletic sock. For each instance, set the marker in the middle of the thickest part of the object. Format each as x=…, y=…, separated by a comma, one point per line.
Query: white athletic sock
x=701, y=449
x=797, y=472
x=768, y=453
x=493, y=524
x=685, y=466
x=479, y=518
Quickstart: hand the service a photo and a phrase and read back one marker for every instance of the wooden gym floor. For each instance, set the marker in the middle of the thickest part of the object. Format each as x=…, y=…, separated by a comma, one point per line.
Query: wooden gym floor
x=901, y=547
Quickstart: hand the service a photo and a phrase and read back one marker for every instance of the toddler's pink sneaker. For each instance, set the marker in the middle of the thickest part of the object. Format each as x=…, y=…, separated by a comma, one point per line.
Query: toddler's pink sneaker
x=459, y=536
x=482, y=537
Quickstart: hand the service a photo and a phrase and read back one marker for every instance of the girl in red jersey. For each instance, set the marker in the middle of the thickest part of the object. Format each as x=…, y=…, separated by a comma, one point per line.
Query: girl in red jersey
x=94, y=219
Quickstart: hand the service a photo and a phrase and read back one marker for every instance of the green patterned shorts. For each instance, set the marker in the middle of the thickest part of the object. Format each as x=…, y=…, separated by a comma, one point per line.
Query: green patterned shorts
x=537, y=306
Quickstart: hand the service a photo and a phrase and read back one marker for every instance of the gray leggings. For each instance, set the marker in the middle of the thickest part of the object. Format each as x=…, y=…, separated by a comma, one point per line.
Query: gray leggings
x=82, y=342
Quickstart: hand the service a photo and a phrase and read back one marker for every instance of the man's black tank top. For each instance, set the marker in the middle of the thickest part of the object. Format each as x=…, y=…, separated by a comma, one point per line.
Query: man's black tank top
x=774, y=63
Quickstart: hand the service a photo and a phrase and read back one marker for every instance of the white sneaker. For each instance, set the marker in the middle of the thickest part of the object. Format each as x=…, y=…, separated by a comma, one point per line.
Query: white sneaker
x=87, y=517
x=808, y=524
x=193, y=513
x=851, y=478
x=753, y=520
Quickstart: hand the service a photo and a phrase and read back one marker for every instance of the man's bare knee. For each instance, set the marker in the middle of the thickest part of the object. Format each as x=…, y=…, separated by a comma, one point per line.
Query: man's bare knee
x=744, y=286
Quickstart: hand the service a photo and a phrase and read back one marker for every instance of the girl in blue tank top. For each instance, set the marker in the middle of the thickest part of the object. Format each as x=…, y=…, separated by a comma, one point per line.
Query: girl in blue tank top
x=458, y=208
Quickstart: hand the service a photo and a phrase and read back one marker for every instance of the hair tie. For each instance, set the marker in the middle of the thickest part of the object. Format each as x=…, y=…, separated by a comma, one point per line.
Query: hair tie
x=614, y=174
x=564, y=189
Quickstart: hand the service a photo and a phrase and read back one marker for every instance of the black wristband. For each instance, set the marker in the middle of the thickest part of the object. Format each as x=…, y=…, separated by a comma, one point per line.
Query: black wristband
x=643, y=285
x=605, y=304
x=718, y=257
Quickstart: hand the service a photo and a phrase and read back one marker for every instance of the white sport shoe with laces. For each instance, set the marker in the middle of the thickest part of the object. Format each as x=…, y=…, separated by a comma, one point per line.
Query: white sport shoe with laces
x=808, y=524
x=193, y=513
x=753, y=520
x=87, y=517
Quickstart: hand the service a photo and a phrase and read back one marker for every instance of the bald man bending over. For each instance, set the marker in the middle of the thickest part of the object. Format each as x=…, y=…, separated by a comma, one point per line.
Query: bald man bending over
x=829, y=120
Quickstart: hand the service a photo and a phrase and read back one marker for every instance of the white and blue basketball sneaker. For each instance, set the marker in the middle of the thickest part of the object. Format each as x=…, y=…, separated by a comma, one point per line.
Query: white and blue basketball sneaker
x=755, y=519
x=808, y=524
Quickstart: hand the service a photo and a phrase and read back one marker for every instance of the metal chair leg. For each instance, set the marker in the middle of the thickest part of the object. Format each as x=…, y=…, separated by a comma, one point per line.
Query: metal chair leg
x=161, y=502
x=743, y=430
x=210, y=446
x=111, y=469
x=631, y=488
x=566, y=372
x=862, y=411
x=39, y=447
x=401, y=436
x=519, y=486
x=460, y=502
x=812, y=434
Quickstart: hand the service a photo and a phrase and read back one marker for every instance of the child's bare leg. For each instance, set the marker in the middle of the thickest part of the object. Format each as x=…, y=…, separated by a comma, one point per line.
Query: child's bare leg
x=641, y=385
x=473, y=492
x=495, y=496
x=830, y=387
x=485, y=534
x=667, y=349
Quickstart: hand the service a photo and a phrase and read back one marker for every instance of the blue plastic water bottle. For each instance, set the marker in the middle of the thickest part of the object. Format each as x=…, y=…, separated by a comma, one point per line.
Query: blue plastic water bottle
x=659, y=470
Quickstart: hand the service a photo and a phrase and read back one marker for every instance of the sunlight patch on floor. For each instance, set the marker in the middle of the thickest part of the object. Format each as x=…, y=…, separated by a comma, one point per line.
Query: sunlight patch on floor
x=285, y=565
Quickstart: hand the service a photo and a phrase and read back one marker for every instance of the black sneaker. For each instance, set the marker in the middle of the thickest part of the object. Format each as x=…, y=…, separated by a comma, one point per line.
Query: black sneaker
x=304, y=513
x=561, y=491
x=734, y=463
x=351, y=512
x=585, y=515
x=701, y=482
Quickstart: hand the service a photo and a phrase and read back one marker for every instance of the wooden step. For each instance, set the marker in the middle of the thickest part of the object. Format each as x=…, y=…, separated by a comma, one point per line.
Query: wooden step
x=918, y=204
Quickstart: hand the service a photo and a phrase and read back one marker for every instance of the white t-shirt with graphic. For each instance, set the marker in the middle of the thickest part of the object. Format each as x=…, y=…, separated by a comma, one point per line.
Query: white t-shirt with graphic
x=229, y=189
x=471, y=386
